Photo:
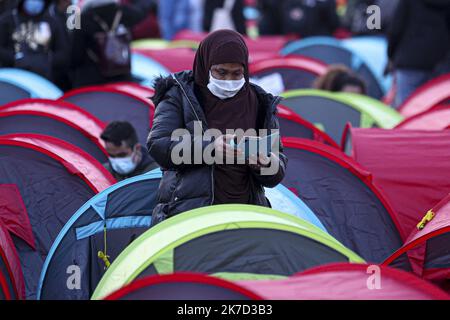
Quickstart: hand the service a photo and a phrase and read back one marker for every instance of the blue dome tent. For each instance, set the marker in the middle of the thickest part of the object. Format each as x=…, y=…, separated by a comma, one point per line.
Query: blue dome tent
x=18, y=84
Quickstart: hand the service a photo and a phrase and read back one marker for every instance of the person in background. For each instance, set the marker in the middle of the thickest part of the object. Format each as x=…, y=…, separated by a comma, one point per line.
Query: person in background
x=32, y=40
x=196, y=16
x=224, y=14
x=127, y=157
x=300, y=17
x=173, y=16
x=58, y=11
x=419, y=38
x=7, y=5
x=339, y=78
x=101, y=48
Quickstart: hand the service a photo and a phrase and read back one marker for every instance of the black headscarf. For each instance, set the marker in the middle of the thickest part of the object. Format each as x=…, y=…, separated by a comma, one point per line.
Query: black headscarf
x=225, y=46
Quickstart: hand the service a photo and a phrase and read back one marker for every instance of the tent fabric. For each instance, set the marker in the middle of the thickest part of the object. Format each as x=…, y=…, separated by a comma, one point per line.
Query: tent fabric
x=125, y=208
x=428, y=96
x=426, y=250
x=251, y=239
x=53, y=179
x=174, y=59
x=345, y=281
x=427, y=173
x=110, y=104
x=429, y=120
x=57, y=119
x=10, y=92
x=292, y=125
x=332, y=111
x=10, y=268
x=183, y=286
x=146, y=70
x=373, y=51
x=331, y=51
x=133, y=88
x=296, y=72
x=343, y=197
x=35, y=85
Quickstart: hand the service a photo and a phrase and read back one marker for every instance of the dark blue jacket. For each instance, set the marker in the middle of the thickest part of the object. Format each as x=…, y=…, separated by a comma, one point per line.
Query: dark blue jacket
x=185, y=187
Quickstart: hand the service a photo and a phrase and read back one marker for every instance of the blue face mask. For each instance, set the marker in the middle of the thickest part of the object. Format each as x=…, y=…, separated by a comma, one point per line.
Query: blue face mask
x=34, y=7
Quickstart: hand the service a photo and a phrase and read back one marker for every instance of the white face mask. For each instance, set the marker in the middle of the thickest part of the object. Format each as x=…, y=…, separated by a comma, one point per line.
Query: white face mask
x=124, y=165
x=224, y=89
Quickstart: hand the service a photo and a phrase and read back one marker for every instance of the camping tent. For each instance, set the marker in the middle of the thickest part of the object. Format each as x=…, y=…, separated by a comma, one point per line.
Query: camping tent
x=233, y=241
x=133, y=88
x=281, y=74
x=126, y=207
x=292, y=125
x=373, y=51
x=427, y=250
x=346, y=281
x=332, y=111
x=58, y=119
x=109, y=104
x=11, y=278
x=435, y=119
x=174, y=59
x=182, y=286
x=331, y=51
x=18, y=84
x=405, y=164
x=343, y=197
x=43, y=180
x=428, y=96
x=145, y=70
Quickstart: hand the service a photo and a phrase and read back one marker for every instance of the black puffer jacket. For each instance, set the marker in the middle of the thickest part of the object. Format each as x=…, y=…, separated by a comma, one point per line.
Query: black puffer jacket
x=185, y=187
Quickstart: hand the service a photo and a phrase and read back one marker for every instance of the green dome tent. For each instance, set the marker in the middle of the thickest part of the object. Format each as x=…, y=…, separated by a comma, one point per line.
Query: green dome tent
x=331, y=112
x=231, y=241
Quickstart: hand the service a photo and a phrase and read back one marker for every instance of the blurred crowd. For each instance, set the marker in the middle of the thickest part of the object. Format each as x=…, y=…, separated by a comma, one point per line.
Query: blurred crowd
x=34, y=34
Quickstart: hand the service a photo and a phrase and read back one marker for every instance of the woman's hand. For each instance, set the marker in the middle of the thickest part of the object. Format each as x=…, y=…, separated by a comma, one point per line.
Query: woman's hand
x=262, y=161
x=224, y=150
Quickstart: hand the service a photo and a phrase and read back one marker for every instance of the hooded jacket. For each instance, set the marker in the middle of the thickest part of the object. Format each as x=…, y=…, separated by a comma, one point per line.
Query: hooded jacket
x=185, y=187
x=39, y=38
x=419, y=35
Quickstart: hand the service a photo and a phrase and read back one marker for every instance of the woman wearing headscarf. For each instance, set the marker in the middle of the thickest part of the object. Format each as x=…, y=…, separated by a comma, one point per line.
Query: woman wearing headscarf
x=217, y=94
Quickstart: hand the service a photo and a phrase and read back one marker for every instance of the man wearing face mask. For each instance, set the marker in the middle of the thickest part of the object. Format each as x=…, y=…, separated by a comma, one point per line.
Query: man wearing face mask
x=127, y=157
x=218, y=94
x=31, y=40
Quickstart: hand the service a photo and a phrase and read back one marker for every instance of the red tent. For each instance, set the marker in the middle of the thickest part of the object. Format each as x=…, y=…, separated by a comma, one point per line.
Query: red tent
x=427, y=250
x=346, y=281
x=292, y=125
x=182, y=286
x=434, y=93
x=435, y=119
x=411, y=167
x=114, y=103
x=296, y=72
x=11, y=276
x=133, y=88
x=174, y=59
x=58, y=119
